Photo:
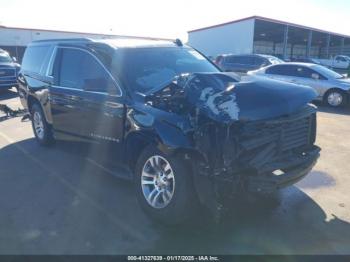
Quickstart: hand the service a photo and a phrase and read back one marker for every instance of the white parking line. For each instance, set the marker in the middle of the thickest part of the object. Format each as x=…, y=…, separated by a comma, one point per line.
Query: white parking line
x=93, y=162
x=129, y=230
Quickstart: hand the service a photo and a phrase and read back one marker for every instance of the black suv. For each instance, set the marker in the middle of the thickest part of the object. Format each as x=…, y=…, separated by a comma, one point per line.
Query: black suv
x=8, y=70
x=187, y=132
x=245, y=63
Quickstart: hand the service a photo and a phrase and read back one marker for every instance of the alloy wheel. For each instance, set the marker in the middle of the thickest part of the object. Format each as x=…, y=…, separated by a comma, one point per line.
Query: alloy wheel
x=335, y=99
x=38, y=125
x=157, y=182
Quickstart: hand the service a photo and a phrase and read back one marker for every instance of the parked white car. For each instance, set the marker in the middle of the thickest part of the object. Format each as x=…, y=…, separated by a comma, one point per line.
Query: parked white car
x=331, y=87
x=338, y=62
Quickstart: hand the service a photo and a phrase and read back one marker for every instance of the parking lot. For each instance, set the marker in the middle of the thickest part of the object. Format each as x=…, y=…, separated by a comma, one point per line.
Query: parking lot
x=57, y=200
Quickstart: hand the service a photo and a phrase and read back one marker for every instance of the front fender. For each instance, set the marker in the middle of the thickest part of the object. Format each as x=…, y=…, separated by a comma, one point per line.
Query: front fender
x=143, y=129
x=165, y=128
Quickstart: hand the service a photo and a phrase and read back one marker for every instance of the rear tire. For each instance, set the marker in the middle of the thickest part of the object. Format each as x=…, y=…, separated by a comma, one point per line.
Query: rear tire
x=172, y=202
x=42, y=130
x=335, y=98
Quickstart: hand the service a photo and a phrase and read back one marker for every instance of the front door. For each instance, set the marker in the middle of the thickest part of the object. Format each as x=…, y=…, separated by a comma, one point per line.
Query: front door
x=86, y=99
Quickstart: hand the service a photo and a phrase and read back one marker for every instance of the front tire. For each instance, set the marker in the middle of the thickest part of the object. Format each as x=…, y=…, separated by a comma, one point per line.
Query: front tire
x=42, y=130
x=335, y=98
x=164, y=187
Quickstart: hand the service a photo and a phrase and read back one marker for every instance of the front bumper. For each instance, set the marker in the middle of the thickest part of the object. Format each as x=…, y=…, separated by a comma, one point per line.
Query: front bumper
x=215, y=190
x=8, y=83
x=292, y=169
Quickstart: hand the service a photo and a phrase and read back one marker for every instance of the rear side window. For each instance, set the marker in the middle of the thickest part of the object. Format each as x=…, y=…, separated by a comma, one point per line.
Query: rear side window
x=34, y=58
x=304, y=72
x=243, y=60
x=247, y=60
x=260, y=61
x=232, y=59
x=285, y=70
x=76, y=69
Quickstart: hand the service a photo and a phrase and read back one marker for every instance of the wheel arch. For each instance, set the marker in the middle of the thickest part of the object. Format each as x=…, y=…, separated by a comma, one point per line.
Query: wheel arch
x=31, y=100
x=136, y=142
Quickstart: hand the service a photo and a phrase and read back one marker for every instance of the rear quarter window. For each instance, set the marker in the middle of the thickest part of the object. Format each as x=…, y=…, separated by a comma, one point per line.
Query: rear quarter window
x=243, y=60
x=34, y=58
x=286, y=70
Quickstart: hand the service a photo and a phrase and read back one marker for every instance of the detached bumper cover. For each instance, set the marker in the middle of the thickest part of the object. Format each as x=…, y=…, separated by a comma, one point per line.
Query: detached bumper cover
x=293, y=170
x=216, y=190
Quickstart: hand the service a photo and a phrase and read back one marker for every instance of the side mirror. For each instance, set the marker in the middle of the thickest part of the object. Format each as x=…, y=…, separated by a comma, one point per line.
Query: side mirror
x=315, y=76
x=14, y=59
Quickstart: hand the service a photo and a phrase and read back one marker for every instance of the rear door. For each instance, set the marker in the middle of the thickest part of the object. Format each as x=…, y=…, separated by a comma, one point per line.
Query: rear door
x=309, y=77
x=283, y=72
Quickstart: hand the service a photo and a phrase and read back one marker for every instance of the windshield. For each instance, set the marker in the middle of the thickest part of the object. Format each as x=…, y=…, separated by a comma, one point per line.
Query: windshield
x=328, y=73
x=147, y=68
x=5, y=58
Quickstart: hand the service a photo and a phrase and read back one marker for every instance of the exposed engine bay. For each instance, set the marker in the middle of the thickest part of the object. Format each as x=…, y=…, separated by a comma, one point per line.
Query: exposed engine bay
x=239, y=136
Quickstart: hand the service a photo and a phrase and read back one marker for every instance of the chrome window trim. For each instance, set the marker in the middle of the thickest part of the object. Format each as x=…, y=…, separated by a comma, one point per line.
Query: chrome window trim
x=81, y=90
x=53, y=57
x=50, y=64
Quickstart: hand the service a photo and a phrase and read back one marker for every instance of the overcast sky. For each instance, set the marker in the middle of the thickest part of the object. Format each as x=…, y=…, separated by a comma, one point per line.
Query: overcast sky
x=167, y=18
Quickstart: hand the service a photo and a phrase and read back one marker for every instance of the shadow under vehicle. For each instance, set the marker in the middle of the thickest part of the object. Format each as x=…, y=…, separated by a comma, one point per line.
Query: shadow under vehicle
x=73, y=207
x=186, y=131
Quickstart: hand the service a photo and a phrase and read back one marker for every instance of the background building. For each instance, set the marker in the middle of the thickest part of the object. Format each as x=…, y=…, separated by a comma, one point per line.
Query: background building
x=14, y=40
x=268, y=36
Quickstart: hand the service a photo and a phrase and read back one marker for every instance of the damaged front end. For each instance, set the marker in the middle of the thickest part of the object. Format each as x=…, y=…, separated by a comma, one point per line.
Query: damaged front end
x=253, y=136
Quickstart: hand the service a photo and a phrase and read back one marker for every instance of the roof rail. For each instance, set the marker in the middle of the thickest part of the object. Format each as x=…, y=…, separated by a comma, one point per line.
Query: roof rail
x=82, y=39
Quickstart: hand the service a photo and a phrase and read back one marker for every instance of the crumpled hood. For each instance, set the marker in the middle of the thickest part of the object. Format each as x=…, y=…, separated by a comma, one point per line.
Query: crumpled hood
x=223, y=98
x=263, y=98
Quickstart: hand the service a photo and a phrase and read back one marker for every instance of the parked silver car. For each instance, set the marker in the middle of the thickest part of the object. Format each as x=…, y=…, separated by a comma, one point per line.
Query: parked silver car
x=331, y=87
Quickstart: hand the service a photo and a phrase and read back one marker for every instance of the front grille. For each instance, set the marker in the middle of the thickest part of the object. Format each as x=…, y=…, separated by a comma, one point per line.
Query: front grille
x=263, y=141
x=293, y=134
x=6, y=72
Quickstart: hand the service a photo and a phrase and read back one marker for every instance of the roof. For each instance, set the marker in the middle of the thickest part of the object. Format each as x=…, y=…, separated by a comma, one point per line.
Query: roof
x=132, y=42
x=85, y=33
x=268, y=20
x=114, y=43
x=261, y=55
x=298, y=64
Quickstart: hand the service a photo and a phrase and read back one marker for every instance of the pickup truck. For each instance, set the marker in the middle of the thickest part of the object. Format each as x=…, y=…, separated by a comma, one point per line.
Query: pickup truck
x=337, y=62
x=187, y=133
x=8, y=70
